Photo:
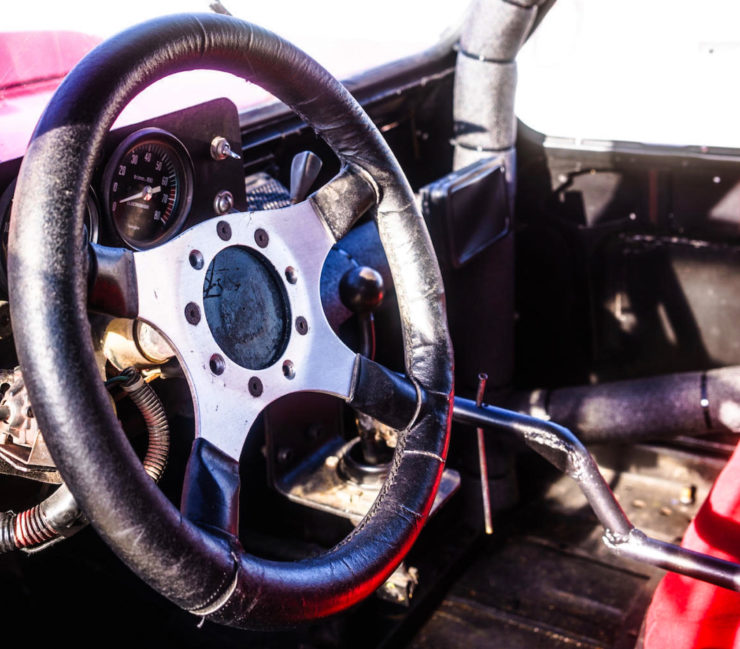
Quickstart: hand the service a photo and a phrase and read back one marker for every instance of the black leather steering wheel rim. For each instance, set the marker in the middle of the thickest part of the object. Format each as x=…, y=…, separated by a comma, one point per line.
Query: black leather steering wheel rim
x=204, y=572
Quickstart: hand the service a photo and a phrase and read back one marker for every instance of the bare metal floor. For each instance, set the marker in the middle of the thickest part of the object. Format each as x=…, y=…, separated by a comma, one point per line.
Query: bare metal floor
x=545, y=579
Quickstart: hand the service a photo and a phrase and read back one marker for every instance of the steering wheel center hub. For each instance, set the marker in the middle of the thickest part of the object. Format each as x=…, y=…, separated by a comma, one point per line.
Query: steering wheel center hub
x=246, y=307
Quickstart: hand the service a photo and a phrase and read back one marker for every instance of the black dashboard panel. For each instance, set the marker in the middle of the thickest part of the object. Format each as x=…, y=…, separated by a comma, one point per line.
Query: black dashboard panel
x=196, y=128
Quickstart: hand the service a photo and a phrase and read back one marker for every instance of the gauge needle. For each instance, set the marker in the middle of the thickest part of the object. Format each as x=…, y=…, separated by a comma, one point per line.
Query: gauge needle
x=146, y=193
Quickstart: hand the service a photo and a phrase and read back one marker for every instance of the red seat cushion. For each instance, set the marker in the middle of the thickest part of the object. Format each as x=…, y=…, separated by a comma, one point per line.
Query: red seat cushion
x=688, y=613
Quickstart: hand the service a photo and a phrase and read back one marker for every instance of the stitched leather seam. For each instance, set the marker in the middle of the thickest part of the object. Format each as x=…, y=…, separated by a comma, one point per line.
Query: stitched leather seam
x=426, y=454
x=218, y=601
x=368, y=177
x=204, y=40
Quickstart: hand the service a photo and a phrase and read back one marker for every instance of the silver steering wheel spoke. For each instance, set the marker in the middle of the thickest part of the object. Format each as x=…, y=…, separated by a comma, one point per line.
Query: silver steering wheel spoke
x=238, y=298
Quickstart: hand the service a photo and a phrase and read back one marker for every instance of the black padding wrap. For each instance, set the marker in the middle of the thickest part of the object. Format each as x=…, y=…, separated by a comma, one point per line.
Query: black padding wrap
x=384, y=395
x=485, y=80
x=202, y=572
x=498, y=31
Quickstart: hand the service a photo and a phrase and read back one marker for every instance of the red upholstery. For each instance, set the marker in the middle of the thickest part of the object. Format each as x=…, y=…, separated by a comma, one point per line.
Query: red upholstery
x=688, y=613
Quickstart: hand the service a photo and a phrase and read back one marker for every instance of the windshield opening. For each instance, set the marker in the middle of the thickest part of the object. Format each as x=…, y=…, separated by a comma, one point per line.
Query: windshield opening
x=658, y=72
x=40, y=41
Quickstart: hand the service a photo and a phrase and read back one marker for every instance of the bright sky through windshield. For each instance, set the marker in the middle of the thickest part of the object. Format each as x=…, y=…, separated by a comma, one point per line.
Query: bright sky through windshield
x=346, y=37
x=340, y=34
x=653, y=71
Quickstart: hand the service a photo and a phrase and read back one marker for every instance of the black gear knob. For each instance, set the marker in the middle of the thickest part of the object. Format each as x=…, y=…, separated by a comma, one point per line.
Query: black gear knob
x=361, y=289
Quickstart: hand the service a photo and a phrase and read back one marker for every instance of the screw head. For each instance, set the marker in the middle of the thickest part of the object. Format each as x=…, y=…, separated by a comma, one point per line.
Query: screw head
x=192, y=313
x=291, y=274
x=196, y=259
x=255, y=386
x=223, y=202
x=288, y=369
x=217, y=364
x=301, y=325
x=284, y=455
x=261, y=238
x=224, y=230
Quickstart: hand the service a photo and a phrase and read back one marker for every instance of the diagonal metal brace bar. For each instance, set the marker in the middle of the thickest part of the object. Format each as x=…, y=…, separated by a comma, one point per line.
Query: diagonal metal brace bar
x=564, y=450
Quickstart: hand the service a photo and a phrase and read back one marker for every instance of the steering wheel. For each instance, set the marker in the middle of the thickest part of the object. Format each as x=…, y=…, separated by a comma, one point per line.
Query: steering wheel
x=193, y=556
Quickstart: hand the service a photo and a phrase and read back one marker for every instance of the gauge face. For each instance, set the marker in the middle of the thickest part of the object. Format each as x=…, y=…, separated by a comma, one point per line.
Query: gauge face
x=148, y=186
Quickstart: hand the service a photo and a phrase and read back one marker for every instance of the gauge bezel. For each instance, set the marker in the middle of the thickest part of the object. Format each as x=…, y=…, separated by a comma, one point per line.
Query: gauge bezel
x=92, y=215
x=137, y=138
x=92, y=207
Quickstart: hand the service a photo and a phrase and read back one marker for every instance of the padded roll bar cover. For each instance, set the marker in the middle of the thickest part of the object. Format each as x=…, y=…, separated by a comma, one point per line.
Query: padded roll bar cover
x=48, y=297
x=644, y=408
x=498, y=31
x=484, y=104
x=485, y=78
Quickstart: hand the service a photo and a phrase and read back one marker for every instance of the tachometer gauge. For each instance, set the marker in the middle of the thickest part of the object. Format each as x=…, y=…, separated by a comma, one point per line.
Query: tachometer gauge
x=148, y=185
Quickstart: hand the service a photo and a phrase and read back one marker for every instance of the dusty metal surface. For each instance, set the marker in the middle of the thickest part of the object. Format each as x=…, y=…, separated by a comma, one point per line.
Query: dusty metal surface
x=545, y=579
x=319, y=484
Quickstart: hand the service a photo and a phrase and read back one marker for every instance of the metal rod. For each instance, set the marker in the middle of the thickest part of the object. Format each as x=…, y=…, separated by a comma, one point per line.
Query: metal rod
x=641, y=547
x=485, y=495
x=563, y=449
x=558, y=446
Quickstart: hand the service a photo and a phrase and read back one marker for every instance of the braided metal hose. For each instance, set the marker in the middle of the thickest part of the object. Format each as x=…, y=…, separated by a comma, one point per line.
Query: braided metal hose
x=39, y=524
x=31, y=528
x=151, y=408
x=48, y=520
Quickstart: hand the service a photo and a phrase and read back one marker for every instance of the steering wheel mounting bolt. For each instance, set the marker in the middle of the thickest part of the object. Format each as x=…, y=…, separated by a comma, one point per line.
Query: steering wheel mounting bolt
x=224, y=230
x=196, y=259
x=217, y=364
x=261, y=238
x=192, y=313
x=301, y=325
x=255, y=386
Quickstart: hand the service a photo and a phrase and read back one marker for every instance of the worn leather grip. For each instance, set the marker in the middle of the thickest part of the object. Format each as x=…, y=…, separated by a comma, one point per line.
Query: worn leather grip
x=48, y=293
